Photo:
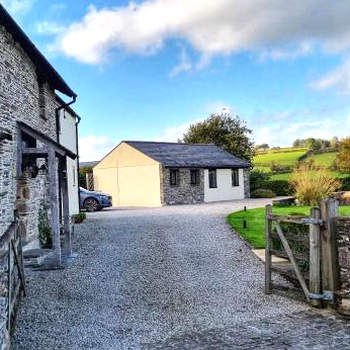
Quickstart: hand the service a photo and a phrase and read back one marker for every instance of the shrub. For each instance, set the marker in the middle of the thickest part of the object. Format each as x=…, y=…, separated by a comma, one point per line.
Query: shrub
x=278, y=168
x=262, y=193
x=311, y=184
x=280, y=187
x=44, y=229
x=78, y=218
x=258, y=178
x=345, y=183
x=343, y=158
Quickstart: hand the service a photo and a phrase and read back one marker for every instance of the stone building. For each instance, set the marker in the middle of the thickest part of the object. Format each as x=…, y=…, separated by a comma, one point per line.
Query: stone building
x=33, y=161
x=138, y=173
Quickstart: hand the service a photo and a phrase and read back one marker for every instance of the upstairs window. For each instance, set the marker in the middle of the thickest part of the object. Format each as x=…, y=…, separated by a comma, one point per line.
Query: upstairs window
x=195, y=177
x=212, y=178
x=174, y=177
x=235, y=177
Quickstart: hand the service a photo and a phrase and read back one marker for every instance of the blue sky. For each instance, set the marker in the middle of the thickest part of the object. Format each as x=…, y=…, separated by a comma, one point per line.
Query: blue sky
x=146, y=70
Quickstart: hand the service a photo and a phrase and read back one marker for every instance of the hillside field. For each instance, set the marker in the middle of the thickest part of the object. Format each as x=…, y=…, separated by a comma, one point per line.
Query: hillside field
x=289, y=156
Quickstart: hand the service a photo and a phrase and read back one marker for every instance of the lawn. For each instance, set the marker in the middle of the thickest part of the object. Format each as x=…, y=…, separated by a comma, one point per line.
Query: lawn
x=255, y=231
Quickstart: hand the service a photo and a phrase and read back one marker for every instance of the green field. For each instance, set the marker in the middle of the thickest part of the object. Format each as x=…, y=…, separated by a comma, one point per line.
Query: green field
x=283, y=157
x=324, y=159
x=289, y=156
x=255, y=231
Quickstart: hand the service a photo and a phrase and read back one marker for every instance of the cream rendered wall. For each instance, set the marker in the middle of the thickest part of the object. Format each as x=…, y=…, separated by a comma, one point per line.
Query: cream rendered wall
x=224, y=190
x=130, y=177
x=68, y=138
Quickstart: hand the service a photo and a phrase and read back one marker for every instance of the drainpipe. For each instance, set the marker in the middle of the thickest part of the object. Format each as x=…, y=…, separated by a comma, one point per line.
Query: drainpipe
x=78, y=167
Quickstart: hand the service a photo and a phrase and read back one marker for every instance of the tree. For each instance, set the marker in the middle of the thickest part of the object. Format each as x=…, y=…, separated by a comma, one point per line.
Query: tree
x=313, y=144
x=263, y=146
x=343, y=158
x=82, y=175
x=229, y=133
x=335, y=142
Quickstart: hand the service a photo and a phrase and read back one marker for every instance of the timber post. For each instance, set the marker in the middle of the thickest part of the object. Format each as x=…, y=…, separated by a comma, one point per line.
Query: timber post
x=315, y=257
x=67, y=248
x=330, y=263
x=268, y=226
x=55, y=225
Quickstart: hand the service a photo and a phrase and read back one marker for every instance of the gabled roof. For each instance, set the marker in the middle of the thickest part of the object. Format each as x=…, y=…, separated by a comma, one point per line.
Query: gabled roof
x=183, y=155
x=44, y=68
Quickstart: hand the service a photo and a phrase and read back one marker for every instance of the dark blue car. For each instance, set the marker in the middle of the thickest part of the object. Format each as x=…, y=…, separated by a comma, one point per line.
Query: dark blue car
x=93, y=201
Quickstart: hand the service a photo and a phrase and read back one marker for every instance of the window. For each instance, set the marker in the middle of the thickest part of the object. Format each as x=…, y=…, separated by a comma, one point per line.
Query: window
x=195, y=177
x=174, y=177
x=212, y=178
x=235, y=177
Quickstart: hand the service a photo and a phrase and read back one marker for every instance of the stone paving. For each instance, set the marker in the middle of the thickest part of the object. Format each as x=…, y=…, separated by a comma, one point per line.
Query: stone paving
x=167, y=278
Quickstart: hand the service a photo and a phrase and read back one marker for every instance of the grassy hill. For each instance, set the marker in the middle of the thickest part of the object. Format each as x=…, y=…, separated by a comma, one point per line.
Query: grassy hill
x=289, y=157
x=283, y=156
x=323, y=159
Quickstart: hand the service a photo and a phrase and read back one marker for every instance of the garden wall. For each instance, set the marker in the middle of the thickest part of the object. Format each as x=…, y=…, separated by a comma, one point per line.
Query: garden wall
x=343, y=230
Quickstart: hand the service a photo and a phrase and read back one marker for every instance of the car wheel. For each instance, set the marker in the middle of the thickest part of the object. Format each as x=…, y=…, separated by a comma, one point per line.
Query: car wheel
x=91, y=204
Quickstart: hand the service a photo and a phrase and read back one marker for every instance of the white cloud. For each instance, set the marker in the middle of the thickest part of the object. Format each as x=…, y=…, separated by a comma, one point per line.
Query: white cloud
x=17, y=7
x=174, y=133
x=211, y=27
x=49, y=28
x=284, y=133
x=93, y=148
x=339, y=78
x=184, y=64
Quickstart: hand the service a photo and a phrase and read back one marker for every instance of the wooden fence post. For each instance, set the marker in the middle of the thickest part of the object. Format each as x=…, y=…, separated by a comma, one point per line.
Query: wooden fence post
x=330, y=263
x=315, y=257
x=268, y=226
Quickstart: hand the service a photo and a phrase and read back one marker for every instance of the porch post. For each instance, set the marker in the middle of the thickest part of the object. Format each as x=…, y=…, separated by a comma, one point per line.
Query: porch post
x=53, y=190
x=67, y=245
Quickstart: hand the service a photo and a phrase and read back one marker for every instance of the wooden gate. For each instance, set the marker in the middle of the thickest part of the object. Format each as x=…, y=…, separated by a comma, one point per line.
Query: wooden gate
x=322, y=259
x=11, y=250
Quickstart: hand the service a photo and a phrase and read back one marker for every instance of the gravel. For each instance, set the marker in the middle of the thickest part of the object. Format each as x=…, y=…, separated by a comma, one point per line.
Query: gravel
x=174, y=277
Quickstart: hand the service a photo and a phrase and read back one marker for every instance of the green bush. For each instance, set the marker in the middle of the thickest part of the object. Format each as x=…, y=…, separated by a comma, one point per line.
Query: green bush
x=78, y=218
x=262, y=193
x=45, y=237
x=258, y=178
x=280, y=187
x=345, y=183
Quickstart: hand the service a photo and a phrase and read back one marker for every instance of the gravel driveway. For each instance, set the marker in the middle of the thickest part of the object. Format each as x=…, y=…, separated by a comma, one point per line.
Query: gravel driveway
x=166, y=278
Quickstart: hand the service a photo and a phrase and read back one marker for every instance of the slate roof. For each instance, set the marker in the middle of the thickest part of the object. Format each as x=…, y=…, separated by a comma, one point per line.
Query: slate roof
x=44, y=68
x=182, y=155
x=92, y=163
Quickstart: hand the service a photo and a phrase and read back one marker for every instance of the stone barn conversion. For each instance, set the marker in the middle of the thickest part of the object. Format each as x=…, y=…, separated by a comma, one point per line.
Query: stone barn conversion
x=138, y=173
x=38, y=162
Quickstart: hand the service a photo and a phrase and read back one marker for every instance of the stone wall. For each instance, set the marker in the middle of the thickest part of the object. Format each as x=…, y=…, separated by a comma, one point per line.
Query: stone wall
x=184, y=192
x=19, y=101
x=246, y=181
x=343, y=231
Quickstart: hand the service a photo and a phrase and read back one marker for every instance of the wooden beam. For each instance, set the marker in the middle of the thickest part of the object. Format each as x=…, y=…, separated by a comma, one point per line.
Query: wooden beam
x=59, y=149
x=330, y=263
x=315, y=257
x=36, y=152
x=268, y=227
x=53, y=191
x=67, y=248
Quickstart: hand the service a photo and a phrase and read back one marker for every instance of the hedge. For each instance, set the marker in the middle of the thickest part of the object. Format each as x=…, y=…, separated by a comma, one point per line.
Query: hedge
x=280, y=187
